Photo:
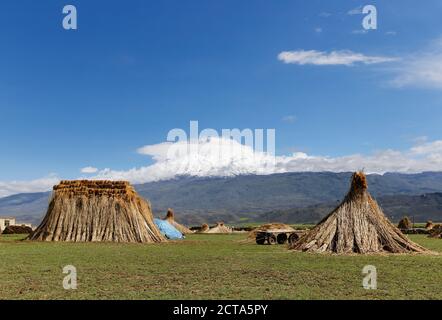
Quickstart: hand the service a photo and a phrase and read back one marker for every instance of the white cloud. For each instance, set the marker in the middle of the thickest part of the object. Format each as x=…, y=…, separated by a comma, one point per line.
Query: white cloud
x=318, y=29
x=360, y=31
x=39, y=185
x=325, y=14
x=220, y=157
x=223, y=157
x=354, y=11
x=289, y=119
x=320, y=58
x=422, y=69
x=428, y=148
x=420, y=140
x=89, y=170
x=212, y=157
x=157, y=151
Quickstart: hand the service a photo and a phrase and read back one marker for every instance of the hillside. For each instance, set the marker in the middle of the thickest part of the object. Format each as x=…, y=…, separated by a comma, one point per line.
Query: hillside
x=419, y=208
x=27, y=207
x=290, y=197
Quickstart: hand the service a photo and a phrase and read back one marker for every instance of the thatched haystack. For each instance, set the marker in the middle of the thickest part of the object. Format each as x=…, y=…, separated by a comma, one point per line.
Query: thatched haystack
x=97, y=211
x=17, y=230
x=170, y=217
x=405, y=223
x=204, y=228
x=357, y=225
x=269, y=226
x=436, y=231
x=220, y=228
x=429, y=225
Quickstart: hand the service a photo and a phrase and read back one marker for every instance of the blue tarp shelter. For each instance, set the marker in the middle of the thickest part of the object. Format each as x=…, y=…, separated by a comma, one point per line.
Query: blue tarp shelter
x=168, y=230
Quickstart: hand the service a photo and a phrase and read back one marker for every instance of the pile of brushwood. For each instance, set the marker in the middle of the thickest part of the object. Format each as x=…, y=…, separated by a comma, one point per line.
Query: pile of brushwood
x=86, y=210
x=357, y=225
x=17, y=230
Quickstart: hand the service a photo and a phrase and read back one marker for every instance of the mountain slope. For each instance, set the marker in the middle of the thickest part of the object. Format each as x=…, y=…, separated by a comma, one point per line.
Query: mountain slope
x=251, y=197
x=26, y=207
x=419, y=208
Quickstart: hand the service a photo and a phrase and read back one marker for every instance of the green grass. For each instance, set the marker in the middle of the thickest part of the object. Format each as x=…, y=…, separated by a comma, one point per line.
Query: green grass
x=209, y=267
x=423, y=224
x=299, y=226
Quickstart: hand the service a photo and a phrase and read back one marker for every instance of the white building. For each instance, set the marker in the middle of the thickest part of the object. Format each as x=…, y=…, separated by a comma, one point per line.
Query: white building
x=6, y=221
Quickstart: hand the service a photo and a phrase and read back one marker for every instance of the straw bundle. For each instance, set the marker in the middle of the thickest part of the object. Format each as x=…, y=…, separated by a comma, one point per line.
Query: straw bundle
x=170, y=217
x=97, y=211
x=436, y=231
x=405, y=223
x=429, y=225
x=357, y=225
x=17, y=230
x=204, y=228
x=269, y=226
x=220, y=228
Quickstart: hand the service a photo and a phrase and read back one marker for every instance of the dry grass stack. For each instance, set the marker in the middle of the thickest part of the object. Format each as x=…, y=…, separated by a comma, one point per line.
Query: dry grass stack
x=405, y=224
x=170, y=217
x=220, y=228
x=204, y=228
x=269, y=226
x=429, y=225
x=357, y=225
x=17, y=230
x=436, y=231
x=97, y=211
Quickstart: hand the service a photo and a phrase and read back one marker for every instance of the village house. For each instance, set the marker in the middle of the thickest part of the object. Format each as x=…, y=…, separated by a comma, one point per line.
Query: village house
x=5, y=222
x=11, y=221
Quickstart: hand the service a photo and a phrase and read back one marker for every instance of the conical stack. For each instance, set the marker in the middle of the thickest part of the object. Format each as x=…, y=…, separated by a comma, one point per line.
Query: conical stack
x=85, y=210
x=220, y=228
x=429, y=225
x=204, y=228
x=357, y=225
x=436, y=231
x=170, y=217
x=405, y=223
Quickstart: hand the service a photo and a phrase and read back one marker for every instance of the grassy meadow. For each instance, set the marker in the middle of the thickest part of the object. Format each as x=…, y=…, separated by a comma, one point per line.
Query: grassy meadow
x=210, y=267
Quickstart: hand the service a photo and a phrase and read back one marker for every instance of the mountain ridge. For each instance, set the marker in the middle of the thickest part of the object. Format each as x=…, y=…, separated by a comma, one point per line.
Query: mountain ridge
x=294, y=197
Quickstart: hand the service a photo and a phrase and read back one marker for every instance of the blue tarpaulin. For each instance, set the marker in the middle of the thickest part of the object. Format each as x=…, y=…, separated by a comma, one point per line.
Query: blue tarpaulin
x=168, y=230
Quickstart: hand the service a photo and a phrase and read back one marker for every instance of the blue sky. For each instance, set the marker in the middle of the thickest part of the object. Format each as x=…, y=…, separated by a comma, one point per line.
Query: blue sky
x=134, y=70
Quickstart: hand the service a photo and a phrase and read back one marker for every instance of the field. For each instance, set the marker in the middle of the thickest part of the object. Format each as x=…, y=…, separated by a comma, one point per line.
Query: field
x=210, y=267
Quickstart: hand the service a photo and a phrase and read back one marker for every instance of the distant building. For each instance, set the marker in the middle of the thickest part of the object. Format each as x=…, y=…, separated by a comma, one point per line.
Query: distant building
x=5, y=222
x=11, y=221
